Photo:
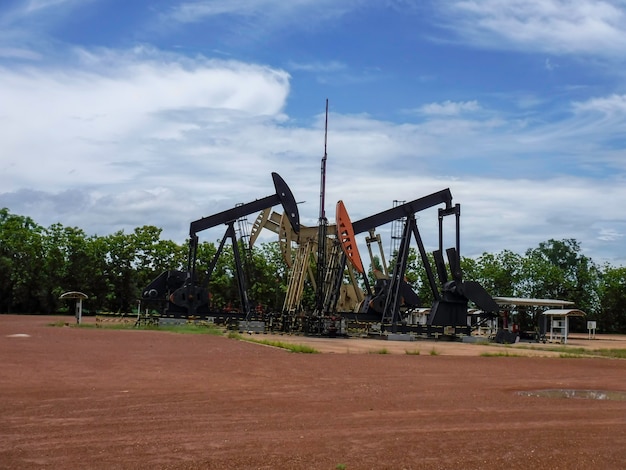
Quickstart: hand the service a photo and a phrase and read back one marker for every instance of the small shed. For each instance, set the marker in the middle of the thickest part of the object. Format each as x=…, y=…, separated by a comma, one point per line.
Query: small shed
x=79, y=297
x=559, y=324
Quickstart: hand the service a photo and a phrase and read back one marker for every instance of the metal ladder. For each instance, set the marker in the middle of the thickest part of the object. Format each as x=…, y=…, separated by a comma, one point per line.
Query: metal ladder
x=396, y=231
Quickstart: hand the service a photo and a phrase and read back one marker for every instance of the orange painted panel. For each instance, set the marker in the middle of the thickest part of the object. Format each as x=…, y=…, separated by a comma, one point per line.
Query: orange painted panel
x=345, y=234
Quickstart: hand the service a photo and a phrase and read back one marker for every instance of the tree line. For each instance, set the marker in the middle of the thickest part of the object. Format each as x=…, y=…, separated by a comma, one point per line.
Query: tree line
x=38, y=264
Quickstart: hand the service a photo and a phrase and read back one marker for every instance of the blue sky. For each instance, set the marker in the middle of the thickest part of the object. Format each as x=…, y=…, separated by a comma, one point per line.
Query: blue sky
x=117, y=114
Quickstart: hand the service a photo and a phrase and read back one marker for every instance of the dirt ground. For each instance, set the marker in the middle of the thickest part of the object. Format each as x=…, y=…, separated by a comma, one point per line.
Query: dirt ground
x=87, y=398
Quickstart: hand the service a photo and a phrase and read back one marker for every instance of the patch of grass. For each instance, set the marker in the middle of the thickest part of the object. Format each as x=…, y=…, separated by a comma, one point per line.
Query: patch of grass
x=414, y=352
x=296, y=348
x=500, y=354
x=341, y=466
x=565, y=349
x=189, y=328
x=129, y=324
x=434, y=352
x=614, y=353
x=379, y=351
x=482, y=342
x=571, y=351
x=570, y=356
x=112, y=326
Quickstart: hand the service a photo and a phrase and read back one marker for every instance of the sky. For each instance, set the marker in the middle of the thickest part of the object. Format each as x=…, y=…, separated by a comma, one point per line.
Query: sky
x=118, y=114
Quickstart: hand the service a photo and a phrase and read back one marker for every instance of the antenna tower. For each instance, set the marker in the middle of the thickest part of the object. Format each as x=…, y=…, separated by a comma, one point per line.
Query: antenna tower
x=322, y=229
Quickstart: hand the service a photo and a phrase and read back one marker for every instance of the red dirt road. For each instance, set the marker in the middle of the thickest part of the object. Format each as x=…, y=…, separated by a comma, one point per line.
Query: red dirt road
x=112, y=399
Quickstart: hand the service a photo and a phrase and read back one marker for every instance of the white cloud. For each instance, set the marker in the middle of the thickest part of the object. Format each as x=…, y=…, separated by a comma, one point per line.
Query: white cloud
x=23, y=12
x=613, y=105
x=332, y=66
x=108, y=112
x=555, y=26
x=273, y=12
x=449, y=108
x=37, y=5
x=549, y=65
x=609, y=235
x=19, y=53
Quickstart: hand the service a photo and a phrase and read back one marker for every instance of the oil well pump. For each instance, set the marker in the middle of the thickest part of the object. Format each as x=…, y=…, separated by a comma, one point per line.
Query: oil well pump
x=180, y=294
x=449, y=309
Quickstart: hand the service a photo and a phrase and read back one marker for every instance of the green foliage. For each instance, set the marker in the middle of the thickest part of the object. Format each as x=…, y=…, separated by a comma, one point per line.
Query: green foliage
x=22, y=255
x=556, y=269
x=612, y=293
x=417, y=276
x=500, y=273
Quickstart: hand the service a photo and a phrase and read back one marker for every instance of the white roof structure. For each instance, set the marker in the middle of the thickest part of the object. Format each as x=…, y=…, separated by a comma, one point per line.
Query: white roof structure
x=533, y=302
x=565, y=312
x=74, y=295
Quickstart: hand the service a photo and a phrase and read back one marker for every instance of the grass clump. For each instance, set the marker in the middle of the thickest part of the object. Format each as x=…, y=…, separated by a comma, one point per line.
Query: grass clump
x=414, y=352
x=189, y=328
x=131, y=324
x=379, y=351
x=614, y=353
x=570, y=356
x=500, y=354
x=571, y=351
x=434, y=352
x=296, y=348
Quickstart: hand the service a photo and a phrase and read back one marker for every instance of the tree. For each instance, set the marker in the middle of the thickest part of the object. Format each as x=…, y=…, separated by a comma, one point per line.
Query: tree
x=612, y=314
x=557, y=270
x=270, y=272
x=500, y=274
x=120, y=272
x=21, y=260
x=417, y=277
x=152, y=255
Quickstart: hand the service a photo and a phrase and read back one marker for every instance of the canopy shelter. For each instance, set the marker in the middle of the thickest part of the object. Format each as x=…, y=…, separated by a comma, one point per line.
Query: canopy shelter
x=79, y=297
x=533, y=302
x=535, y=305
x=559, y=324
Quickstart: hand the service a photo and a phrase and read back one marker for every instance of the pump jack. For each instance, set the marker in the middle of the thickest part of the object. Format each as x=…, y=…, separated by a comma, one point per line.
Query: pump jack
x=181, y=293
x=449, y=309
